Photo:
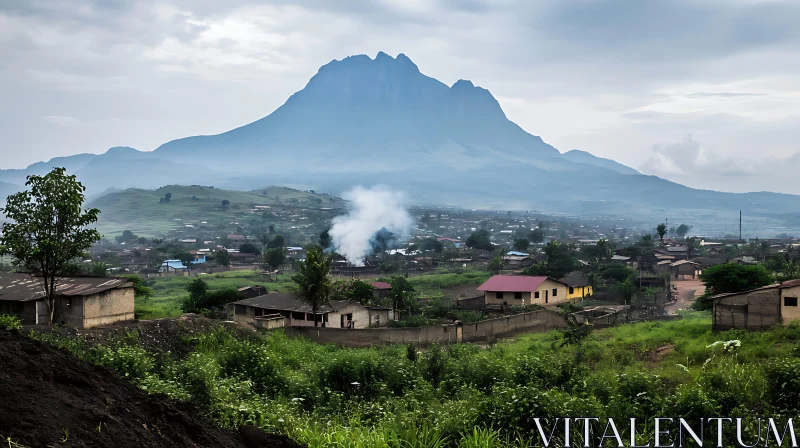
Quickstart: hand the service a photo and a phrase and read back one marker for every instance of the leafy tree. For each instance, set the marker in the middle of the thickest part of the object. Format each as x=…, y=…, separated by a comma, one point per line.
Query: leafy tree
x=521, y=244
x=48, y=228
x=225, y=203
x=223, y=258
x=682, y=230
x=537, y=235
x=560, y=260
x=205, y=301
x=167, y=197
x=495, y=265
x=431, y=245
x=661, y=230
x=126, y=237
x=313, y=280
x=277, y=242
x=274, y=257
x=401, y=294
x=599, y=253
x=325, y=239
x=725, y=278
x=249, y=248
x=616, y=273
x=98, y=269
x=353, y=290
x=692, y=247
x=271, y=229
x=480, y=240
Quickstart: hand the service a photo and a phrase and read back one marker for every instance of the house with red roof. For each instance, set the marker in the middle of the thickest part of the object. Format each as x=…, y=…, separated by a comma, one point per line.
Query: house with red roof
x=522, y=290
x=381, y=288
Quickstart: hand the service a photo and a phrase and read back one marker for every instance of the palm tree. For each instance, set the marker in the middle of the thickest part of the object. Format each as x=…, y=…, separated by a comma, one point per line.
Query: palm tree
x=661, y=230
x=313, y=280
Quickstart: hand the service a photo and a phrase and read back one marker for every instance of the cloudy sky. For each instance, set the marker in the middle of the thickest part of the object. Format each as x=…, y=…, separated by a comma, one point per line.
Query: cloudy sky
x=706, y=93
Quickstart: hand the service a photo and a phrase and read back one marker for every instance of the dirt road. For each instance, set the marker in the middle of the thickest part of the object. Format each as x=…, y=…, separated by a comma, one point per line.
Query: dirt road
x=687, y=290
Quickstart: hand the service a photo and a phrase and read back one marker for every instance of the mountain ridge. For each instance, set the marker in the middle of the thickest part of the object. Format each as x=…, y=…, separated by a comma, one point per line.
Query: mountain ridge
x=364, y=121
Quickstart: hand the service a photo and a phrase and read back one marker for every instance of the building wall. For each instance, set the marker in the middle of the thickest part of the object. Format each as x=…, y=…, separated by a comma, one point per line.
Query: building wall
x=579, y=292
x=537, y=321
x=752, y=311
x=69, y=311
x=107, y=307
x=790, y=313
x=545, y=291
x=361, y=317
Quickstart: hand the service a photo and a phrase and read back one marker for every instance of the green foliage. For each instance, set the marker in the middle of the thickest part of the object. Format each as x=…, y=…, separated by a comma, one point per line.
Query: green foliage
x=725, y=278
x=431, y=245
x=97, y=269
x=401, y=294
x=325, y=240
x=354, y=290
x=480, y=239
x=223, y=258
x=560, y=260
x=495, y=265
x=682, y=230
x=140, y=290
x=464, y=395
x=249, y=248
x=313, y=280
x=47, y=227
x=521, y=244
x=274, y=257
x=10, y=322
x=661, y=230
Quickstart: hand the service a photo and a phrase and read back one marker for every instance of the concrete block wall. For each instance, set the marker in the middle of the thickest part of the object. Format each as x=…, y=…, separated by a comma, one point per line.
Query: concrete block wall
x=537, y=321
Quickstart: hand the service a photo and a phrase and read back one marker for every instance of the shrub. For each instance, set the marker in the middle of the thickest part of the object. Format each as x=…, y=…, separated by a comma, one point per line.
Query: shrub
x=9, y=322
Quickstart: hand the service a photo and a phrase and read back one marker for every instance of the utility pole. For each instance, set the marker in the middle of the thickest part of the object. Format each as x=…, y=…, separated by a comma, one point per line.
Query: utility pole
x=740, y=225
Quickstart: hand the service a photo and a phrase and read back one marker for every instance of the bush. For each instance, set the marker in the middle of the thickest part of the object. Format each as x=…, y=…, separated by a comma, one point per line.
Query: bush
x=9, y=322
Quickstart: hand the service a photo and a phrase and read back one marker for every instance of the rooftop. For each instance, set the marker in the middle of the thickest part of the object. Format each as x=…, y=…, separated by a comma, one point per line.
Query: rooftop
x=512, y=283
x=25, y=287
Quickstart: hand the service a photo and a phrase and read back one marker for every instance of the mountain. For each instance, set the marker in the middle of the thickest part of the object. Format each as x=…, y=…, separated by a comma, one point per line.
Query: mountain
x=365, y=121
x=7, y=189
x=576, y=155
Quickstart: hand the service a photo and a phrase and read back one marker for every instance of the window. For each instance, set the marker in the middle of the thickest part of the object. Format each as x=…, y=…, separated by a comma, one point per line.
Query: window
x=571, y=290
x=518, y=295
x=259, y=312
x=790, y=301
x=536, y=295
x=555, y=292
x=499, y=295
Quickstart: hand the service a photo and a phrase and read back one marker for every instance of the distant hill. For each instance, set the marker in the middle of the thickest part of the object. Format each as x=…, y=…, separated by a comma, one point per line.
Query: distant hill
x=7, y=189
x=576, y=155
x=145, y=214
x=365, y=121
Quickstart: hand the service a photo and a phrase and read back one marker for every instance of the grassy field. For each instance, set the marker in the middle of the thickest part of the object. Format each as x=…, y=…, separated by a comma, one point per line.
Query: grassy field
x=469, y=395
x=169, y=292
x=141, y=212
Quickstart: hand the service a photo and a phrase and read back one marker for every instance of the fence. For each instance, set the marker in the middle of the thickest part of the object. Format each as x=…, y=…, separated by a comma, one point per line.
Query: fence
x=486, y=330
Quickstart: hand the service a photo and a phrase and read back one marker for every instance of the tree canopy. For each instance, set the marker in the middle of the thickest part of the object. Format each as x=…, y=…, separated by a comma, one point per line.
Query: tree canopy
x=725, y=278
x=480, y=239
x=48, y=228
x=682, y=230
x=313, y=280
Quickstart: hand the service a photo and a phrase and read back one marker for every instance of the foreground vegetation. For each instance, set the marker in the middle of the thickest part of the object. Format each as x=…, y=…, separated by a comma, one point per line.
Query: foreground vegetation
x=466, y=394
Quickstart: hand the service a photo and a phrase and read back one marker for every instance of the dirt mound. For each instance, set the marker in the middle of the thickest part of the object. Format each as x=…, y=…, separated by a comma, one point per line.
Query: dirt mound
x=50, y=398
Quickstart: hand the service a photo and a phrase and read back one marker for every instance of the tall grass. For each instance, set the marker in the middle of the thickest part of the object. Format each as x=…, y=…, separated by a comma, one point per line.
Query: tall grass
x=466, y=394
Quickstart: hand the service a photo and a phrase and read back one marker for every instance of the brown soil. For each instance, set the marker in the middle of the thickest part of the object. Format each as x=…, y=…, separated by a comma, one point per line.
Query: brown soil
x=50, y=398
x=661, y=352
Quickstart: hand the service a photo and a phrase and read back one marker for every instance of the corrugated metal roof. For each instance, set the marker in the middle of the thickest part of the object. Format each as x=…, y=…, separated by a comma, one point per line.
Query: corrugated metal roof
x=25, y=287
x=380, y=285
x=288, y=302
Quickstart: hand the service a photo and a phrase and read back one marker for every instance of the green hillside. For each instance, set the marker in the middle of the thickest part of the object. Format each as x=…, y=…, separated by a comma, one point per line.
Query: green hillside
x=145, y=213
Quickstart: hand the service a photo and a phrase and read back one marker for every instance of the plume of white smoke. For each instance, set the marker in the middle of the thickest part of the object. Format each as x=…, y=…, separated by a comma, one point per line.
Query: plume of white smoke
x=371, y=209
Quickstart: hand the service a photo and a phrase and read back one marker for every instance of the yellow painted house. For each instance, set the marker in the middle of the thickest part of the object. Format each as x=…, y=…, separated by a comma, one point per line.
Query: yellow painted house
x=522, y=290
x=579, y=287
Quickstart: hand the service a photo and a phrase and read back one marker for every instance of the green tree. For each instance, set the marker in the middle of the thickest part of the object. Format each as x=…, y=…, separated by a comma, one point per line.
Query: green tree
x=274, y=257
x=692, y=247
x=353, y=290
x=325, y=239
x=661, y=230
x=97, y=269
x=126, y=237
x=560, y=260
x=185, y=258
x=537, y=235
x=225, y=203
x=313, y=281
x=48, y=228
x=401, y=294
x=480, y=240
x=521, y=244
x=249, y=248
x=223, y=258
x=725, y=278
x=271, y=229
x=431, y=244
